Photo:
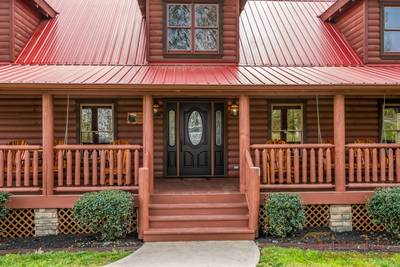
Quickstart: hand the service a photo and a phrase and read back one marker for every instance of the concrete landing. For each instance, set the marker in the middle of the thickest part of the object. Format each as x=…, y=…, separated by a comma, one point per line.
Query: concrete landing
x=193, y=254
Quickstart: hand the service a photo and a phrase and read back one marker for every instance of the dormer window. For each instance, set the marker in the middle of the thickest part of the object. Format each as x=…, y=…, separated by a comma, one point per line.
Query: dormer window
x=391, y=30
x=192, y=28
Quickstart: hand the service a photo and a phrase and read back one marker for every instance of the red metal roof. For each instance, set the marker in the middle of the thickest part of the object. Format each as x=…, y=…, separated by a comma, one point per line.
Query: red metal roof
x=199, y=75
x=290, y=33
x=112, y=32
x=89, y=32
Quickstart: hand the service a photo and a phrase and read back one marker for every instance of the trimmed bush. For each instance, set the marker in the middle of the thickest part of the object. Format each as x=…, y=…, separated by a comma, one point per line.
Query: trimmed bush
x=384, y=208
x=285, y=215
x=107, y=213
x=4, y=196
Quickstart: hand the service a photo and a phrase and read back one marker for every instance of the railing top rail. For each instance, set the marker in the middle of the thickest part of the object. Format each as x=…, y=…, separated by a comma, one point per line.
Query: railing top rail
x=373, y=145
x=20, y=147
x=277, y=146
x=99, y=147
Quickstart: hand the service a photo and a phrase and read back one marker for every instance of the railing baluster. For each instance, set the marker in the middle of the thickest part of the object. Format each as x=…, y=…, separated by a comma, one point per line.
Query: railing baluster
x=382, y=162
x=280, y=165
x=257, y=158
x=304, y=162
x=102, y=167
x=288, y=167
x=272, y=166
x=111, y=167
x=94, y=167
x=390, y=165
x=367, y=165
x=60, y=168
x=69, y=167
x=9, y=169
x=27, y=163
x=18, y=168
x=328, y=166
x=119, y=167
x=1, y=168
x=136, y=166
x=265, y=170
x=320, y=166
x=359, y=165
x=374, y=165
x=312, y=166
x=351, y=165
x=86, y=167
x=77, y=167
x=35, y=168
x=296, y=166
x=397, y=165
x=128, y=171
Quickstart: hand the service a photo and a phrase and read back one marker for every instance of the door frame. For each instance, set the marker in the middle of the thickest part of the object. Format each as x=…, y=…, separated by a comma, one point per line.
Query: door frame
x=178, y=136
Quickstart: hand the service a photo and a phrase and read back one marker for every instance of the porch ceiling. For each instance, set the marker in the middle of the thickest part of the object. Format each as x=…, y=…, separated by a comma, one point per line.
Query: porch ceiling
x=197, y=75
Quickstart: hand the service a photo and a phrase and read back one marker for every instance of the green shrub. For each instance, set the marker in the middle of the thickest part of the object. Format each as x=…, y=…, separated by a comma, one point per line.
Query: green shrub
x=4, y=196
x=384, y=208
x=285, y=215
x=107, y=213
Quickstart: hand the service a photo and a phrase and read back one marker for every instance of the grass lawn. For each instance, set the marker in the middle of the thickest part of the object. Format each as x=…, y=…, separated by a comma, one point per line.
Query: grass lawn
x=276, y=256
x=69, y=259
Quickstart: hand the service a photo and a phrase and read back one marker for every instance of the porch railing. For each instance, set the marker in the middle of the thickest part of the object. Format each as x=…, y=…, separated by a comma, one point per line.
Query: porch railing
x=373, y=165
x=82, y=168
x=20, y=168
x=295, y=166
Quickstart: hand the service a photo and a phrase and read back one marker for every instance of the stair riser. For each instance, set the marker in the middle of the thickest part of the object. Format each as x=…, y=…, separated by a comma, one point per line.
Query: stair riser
x=181, y=199
x=190, y=224
x=205, y=211
x=191, y=237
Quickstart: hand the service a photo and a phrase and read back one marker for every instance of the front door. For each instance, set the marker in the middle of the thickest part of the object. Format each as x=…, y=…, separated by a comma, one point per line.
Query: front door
x=195, y=139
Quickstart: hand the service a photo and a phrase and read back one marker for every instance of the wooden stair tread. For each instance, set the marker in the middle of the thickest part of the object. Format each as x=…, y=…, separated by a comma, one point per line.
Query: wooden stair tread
x=198, y=217
x=198, y=205
x=199, y=231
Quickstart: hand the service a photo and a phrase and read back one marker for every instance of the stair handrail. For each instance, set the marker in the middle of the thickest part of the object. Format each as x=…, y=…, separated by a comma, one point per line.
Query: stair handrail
x=252, y=191
x=144, y=197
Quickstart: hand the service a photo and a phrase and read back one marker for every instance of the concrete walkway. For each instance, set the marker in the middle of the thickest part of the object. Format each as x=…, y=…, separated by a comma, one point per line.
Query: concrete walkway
x=193, y=254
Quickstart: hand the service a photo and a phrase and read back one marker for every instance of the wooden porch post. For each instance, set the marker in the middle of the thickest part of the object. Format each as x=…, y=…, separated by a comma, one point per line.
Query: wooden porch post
x=148, y=137
x=48, y=143
x=244, y=136
x=339, y=139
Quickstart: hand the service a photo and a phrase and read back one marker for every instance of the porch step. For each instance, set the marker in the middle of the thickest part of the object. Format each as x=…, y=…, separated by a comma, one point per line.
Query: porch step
x=189, y=221
x=198, y=234
x=185, y=217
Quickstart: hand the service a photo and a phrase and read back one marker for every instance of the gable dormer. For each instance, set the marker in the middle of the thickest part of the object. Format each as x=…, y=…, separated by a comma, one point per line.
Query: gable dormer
x=372, y=28
x=193, y=30
x=18, y=21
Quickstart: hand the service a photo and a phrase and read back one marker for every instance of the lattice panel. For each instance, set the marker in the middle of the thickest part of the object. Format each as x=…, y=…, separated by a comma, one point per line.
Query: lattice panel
x=316, y=216
x=362, y=221
x=18, y=223
x=68, y=226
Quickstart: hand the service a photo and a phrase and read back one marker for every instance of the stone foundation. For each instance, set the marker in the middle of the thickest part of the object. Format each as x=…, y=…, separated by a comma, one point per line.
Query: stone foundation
x=340, y=218
x=46, y=222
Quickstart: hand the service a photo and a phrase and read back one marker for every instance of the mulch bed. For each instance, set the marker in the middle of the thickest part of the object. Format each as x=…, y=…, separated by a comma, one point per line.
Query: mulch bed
x=323, y=239
x=70, y=243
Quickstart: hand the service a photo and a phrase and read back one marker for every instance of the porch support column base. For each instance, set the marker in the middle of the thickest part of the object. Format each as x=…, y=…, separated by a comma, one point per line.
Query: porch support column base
x=46, y=222
x=340, y=218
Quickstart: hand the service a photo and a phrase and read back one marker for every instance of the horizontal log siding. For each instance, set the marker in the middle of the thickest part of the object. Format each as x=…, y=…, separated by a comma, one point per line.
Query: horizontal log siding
x=229, y=38
x=22, y=119
x=159, y=157
x=26, y=21
x=351, y=24
x=374, y=33
x=5, y=30
x=232, y=128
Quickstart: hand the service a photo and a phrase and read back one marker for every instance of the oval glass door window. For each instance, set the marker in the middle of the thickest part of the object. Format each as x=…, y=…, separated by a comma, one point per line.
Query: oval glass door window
x=195, y=128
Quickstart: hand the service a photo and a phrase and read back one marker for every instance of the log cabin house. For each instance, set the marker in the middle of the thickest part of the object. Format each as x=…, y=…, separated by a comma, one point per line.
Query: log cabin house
x=198, y=107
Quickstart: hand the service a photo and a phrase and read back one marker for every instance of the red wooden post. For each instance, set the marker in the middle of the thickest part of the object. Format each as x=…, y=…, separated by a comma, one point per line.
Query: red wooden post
x=244, y=136
x=339, y=139
x=148, y=139
x=48, y=143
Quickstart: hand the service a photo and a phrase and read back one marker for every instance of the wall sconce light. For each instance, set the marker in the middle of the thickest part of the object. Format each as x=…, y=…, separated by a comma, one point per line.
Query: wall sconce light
x=233, y=108
x=156, y=109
